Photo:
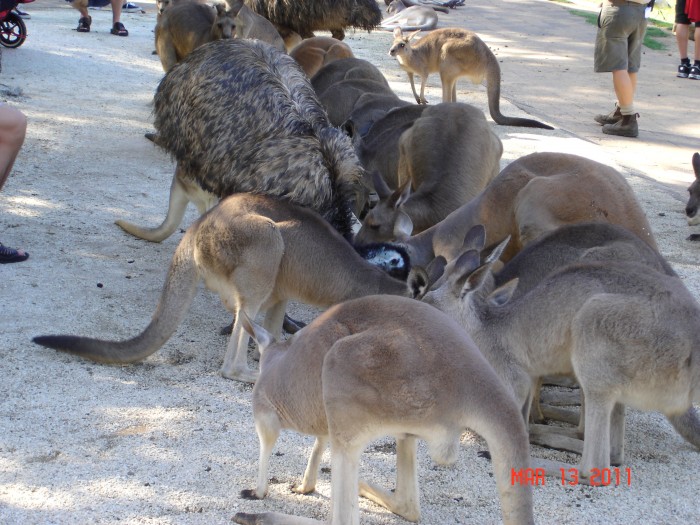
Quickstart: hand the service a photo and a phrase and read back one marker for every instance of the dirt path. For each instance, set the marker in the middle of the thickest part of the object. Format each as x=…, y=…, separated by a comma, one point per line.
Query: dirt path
x=171, y=442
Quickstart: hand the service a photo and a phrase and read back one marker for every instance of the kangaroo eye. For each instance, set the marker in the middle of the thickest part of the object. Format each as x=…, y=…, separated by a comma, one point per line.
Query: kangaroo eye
x=402, y=45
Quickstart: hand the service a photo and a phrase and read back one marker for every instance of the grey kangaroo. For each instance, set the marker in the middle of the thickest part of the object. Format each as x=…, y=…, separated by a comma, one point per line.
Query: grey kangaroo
x=628, y=333
x=257, y=253
x=534, y=194
x=331, y=381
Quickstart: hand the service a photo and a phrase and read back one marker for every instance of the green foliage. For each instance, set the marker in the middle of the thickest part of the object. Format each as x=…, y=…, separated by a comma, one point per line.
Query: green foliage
x=650, y=38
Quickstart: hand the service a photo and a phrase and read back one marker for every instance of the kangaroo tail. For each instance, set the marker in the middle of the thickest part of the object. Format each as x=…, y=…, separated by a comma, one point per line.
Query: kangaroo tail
x=493, y=91
x=178, y=292
x=688, y=426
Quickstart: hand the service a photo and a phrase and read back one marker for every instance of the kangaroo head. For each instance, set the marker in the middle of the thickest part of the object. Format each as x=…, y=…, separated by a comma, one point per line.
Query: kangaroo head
x=224, y=23
x=691, y=209
x=401, y=46
x=386, y=221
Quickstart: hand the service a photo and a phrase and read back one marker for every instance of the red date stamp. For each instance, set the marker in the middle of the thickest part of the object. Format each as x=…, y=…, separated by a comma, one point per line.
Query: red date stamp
x=598, y=478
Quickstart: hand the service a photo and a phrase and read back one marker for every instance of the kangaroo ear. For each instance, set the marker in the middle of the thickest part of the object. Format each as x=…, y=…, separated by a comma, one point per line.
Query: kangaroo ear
x=403, y=226
x=257, y=332
x=380, y=186
x=400, y=195
x=413, y=35
x=435, y=269
x=696, y=165
x=234, y=6
x=503, y=294
x=474, y=280
x=475, y=239
x=220, y=9
x=397, y=32
x=418, y=282
x=498, y=251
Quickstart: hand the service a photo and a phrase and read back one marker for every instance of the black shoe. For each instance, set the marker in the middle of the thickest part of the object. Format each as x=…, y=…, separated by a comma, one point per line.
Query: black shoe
x=610, y=118
x=84, y=24
x=694, y=73
x=625, y=127
x=683, y=70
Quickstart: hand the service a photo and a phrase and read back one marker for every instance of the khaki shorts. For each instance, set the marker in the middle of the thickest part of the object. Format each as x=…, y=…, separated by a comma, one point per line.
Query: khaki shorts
x=618, y=44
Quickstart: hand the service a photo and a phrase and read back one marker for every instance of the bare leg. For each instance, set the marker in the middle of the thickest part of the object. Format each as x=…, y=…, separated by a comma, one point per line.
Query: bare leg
x=624, y=84
x=682, y=31
x=13, y=128
x=116, y=11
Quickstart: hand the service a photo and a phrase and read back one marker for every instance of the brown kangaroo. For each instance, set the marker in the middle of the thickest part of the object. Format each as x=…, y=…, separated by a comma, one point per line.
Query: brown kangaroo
x=454, y=53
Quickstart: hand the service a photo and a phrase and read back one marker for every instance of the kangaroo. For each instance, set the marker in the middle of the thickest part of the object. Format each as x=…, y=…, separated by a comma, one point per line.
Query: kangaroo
x=454, y=52
x=377, y=148
x=257, y=253
x=186, y=26
x=414, y=18
x=629, y=334
x=350, y=68
x=251, y=25
x=532, y=195
x=691, y=209
x=396, y=6
x=446, y=158
x=331, y=381
x=552, y=251
x=315, y=52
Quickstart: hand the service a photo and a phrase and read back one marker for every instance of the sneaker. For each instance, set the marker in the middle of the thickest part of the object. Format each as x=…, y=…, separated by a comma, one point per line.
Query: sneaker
x=694, y=73
x=610, y=118
x=22, y=14
x=683, y=70
x=130, y=7
x=625, y=127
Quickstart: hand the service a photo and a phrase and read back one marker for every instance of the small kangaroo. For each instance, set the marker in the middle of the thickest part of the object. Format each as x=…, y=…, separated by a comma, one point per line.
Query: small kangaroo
x=445, y=159
x=251, y=25
x=185, y=26
x=332, y=381
x=691, y=209
x=257, y=253
x=315, y=52
x=454, y=52
x=534, y=194
x=629, y=334
x=414, y=18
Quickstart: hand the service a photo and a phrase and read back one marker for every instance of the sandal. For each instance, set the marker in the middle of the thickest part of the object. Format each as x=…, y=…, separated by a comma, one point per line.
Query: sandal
x=10, y=255
x=119, y=30
x=84, y=24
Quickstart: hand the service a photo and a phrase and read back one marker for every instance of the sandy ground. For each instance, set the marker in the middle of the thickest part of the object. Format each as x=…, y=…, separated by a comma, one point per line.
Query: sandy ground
x=169, y=441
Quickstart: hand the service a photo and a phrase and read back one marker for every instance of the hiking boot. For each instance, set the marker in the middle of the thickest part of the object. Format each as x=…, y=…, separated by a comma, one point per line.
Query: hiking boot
x=683, y=70
x=625, y=127
x=694, y=73
x=610, y=118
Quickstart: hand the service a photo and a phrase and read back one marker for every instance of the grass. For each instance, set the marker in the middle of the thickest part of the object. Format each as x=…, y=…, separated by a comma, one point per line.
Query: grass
x=656, y=28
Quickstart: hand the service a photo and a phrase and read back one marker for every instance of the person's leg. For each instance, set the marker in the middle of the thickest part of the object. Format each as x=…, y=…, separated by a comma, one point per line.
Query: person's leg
x=116, y=11
x=624, y=84
x=13, y=127
x=117, y=27
x=694, y=72
x=85, y=18
x=682, y=31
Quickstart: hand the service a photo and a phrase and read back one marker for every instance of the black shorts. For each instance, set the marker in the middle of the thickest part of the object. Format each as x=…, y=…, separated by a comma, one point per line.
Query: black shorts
x=681, y=17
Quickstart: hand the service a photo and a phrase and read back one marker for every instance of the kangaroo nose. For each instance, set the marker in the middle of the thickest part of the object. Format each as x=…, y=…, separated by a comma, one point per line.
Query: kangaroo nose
x=690, y=211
